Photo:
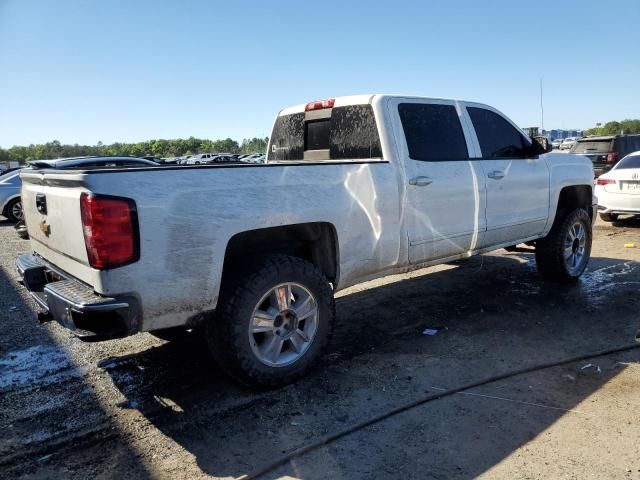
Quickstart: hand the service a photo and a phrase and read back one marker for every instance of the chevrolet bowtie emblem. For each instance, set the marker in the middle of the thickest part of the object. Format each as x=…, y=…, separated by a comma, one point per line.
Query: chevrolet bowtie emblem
x=44, y=228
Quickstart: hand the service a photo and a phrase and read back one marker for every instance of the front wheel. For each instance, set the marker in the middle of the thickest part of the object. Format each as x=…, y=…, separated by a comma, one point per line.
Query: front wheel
x=564, y=253
x=273, y=323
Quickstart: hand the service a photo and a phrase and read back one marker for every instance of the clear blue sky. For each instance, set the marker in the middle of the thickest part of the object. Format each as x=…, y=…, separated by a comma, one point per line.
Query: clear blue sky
x=120, y=70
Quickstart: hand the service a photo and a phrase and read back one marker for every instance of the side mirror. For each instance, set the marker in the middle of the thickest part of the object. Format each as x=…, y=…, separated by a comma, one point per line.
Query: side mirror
x=543, y=142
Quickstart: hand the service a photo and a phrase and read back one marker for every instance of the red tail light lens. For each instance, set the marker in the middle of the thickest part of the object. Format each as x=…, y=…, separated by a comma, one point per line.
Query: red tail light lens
x=605, y=181
x=612, y=157
x=320, y=104
x=110, y=227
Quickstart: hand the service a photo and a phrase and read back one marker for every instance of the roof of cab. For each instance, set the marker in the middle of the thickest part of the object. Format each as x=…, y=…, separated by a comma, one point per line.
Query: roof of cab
x=366, y=99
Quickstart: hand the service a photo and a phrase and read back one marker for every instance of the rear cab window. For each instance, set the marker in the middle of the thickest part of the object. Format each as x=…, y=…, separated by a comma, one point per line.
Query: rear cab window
x=335, y=133
x=592, y=146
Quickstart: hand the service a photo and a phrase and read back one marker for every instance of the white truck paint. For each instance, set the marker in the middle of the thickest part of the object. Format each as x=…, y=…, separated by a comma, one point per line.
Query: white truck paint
x=389, y=213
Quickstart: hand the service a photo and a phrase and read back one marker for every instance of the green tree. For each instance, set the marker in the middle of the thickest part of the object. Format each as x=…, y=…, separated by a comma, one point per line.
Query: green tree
x=254, y=145
x=629, y=126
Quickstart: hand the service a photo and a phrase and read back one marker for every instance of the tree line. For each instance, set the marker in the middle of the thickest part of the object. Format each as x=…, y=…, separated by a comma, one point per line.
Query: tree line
x=158, y=148
x=192, y=145
x=613, y=128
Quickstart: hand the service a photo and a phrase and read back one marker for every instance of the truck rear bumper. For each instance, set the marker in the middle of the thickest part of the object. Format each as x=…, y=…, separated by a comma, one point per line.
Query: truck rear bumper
x=74, y=304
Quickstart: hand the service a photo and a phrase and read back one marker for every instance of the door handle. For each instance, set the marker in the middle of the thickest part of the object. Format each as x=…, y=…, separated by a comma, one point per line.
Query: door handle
x=420, y=181
x=496, y=174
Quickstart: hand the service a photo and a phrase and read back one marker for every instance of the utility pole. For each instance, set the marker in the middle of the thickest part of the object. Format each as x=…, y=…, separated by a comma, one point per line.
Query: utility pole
x=541, y=107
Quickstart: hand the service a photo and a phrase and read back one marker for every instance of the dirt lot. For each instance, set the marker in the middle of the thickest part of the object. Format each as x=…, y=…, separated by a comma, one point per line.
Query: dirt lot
x=142, y=407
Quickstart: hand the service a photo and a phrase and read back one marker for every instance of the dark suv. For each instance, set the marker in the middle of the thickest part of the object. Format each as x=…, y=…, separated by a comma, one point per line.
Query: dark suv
x=606, y=150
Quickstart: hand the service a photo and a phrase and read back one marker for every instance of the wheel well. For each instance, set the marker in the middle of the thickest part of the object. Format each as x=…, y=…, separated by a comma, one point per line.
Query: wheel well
x=575, y=196
x=315, y=242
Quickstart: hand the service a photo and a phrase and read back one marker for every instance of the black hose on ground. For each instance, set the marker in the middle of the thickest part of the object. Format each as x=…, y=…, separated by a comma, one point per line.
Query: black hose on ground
x=322, y=441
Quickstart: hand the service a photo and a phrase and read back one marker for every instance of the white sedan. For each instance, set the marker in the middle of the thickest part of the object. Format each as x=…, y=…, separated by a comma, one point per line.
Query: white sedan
x=618, y=190
x=568, y=142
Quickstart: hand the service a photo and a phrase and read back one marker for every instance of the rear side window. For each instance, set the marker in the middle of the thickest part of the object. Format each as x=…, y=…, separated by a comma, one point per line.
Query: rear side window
x=11, y=179
x=433, y=132
x=497, y=137
x=350, y=133
x=595, y=146
x=287, y=138
x=354, y=133
x=631, y=161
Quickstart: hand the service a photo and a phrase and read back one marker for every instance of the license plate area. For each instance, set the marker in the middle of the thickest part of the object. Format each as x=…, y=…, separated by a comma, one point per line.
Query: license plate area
x=631, y=186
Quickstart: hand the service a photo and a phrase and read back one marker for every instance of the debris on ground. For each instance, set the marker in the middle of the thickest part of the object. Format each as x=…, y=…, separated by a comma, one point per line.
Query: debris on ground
x=430, y=331
x=591, y=365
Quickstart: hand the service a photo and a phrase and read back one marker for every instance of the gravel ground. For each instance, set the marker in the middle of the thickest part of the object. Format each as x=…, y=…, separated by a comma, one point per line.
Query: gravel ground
x=142, y=407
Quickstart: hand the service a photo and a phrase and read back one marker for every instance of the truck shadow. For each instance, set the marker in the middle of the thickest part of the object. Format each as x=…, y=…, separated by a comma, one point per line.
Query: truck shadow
x=490, y=315
x=47, y=404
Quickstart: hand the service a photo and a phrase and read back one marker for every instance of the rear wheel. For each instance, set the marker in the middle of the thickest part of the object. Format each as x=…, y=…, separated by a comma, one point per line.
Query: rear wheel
x=609, y=217
x=564, y=253
x=273, y=323
x=14, y=210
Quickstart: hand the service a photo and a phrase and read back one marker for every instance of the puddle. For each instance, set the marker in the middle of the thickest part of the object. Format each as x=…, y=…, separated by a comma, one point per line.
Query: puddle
x=598, y=284
x=35, y=366
x=602, y=279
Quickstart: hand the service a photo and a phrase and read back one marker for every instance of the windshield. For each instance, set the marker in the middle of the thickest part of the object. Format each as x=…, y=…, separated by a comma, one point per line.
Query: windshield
x=592, y=146
x=630, y=161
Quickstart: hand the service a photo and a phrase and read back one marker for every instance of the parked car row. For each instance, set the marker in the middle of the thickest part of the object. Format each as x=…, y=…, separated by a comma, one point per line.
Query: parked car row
x=618, y=190
x=564, y=143
x=10, y=183
x=605, y=151
x=212, y=158
x=556, y=143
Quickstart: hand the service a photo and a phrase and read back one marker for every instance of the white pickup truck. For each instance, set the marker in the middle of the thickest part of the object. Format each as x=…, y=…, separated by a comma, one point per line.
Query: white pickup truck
x=251, y=255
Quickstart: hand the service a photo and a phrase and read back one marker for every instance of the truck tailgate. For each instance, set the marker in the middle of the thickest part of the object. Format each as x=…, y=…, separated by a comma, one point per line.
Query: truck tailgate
x=51, y=203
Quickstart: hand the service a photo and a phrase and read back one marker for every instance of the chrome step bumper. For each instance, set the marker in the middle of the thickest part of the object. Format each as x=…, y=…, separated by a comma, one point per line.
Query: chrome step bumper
x=74, y=304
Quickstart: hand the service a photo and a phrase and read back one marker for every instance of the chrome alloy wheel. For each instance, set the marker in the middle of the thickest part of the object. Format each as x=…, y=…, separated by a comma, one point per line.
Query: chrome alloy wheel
x=16, y=210
x=283, y=325
x=575, y=246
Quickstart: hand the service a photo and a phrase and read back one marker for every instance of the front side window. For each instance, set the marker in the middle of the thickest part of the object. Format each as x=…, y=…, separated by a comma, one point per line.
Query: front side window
x=497, y=137
x=433, y=132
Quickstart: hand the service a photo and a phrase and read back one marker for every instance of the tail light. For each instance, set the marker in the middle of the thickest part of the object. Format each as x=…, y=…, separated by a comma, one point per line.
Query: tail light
x=612, y=157
x=320, y=104
x=110, y=226
x=605, y=181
